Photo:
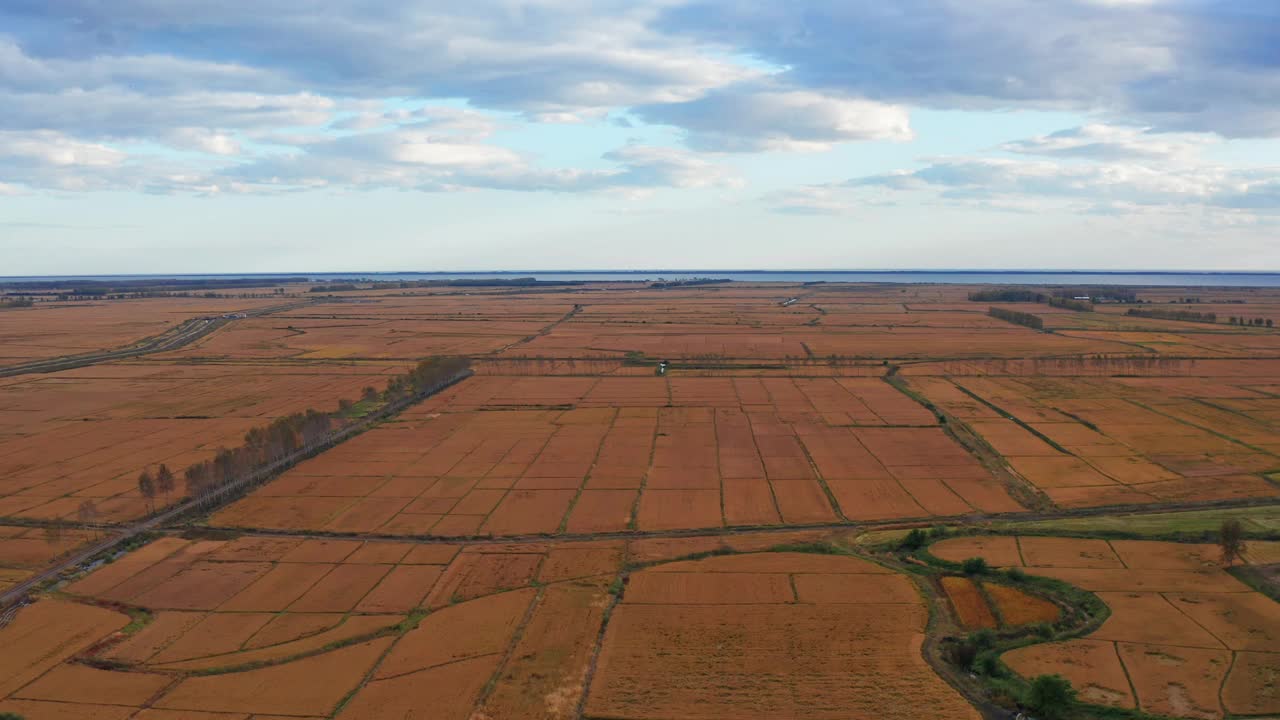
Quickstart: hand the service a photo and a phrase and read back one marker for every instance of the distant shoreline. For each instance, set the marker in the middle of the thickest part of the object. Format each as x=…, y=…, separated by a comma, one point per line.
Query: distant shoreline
x=1137, y=278
x=669, y=271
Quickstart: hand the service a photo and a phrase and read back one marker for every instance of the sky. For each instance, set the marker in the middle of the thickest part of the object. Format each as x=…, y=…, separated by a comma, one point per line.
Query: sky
x=167, y=136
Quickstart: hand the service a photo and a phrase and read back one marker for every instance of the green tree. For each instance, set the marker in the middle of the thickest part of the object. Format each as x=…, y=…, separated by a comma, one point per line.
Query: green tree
x=1231, y=541
x=914, y=540
x=974, y=566
x=1051, y=696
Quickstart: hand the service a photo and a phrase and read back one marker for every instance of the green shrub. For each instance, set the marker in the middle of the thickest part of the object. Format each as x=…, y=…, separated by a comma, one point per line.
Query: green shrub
x=914, y=540
x=988, y=665
x=974, y=566
x=1016, y=574
x=1050, y=696
x=962, y=653
x=983, y=639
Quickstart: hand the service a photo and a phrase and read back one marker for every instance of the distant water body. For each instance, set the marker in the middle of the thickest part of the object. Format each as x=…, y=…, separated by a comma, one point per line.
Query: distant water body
x=953, y=277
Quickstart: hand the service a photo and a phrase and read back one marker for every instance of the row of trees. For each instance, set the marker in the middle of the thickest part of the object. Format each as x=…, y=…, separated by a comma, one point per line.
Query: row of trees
x=1031, y=296
x=1007, y=295
x=1034, y=322
x=286, y=435
x=1259, y=322
x=1184, y=315
x=1071, y=304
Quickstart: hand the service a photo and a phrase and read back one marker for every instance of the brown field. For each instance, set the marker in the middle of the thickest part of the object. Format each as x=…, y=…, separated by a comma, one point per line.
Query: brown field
x=970, y=607
x=1092, y=666
x=70, y=328
x=462, y=560
x=771, y=659
x=1127, y=440
x=1019, y=608
x=86, y=434
x=1180, y=627
x=549, y=600
x=521, y=455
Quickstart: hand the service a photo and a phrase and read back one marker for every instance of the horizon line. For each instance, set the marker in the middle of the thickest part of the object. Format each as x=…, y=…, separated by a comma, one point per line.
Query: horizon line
x=753, y=271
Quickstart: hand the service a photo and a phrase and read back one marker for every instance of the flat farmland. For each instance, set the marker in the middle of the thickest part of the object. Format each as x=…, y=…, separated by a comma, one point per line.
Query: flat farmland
x=518, y=455
x=1180, y=629
x=86, y=434
x=316, y=628
x=53, y=329
x=384, y=327
x=1124, y=440
x=576, y=533
x=767, y=636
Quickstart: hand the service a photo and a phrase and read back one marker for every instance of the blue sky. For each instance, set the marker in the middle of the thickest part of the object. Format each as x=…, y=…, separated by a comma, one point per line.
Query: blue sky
x=277, y=135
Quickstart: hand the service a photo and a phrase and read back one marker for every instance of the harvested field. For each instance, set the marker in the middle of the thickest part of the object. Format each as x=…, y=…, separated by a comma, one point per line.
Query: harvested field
x=997, y=550
x=546, y=674
x=515, y=456
x=311, y=686
x=1092, y=666
x=85, y=435
x=1123, y=441
x=968, y=603
x=430, y=579
x=1180, y=626
x=1253, y=685
x=1018, y=608
x=47, y=632
x=766, y=660
x=1176, y=681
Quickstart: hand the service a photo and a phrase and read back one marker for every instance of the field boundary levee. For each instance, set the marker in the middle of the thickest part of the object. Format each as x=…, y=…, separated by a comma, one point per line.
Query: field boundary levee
x=224, y=493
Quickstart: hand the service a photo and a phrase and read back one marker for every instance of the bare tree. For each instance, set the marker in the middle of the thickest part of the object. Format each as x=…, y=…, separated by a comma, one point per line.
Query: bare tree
x=147, y=487
x=87, y=513
x=165, y=481
x=1231, y=541
x=53, y=534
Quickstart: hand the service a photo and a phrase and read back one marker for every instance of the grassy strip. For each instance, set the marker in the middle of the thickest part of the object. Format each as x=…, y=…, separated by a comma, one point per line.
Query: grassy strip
x=1257, y=577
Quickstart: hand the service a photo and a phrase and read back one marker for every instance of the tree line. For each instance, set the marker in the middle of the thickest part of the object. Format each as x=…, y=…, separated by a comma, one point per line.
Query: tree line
x=1012, y=295
x=1034, y=322
x=1260, y=322
x=1184, y=315
x=286, y=435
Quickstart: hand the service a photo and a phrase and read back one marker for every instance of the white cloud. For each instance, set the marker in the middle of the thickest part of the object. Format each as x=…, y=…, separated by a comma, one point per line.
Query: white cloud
x=203, y=140
x=52, y=149
x=752, y=118
x=1092, y=186
x=1112, y=142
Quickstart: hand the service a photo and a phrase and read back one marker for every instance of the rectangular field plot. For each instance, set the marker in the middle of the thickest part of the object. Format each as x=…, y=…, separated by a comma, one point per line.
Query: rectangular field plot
x=772, y=635
x=1123, y=441
x=518, y=455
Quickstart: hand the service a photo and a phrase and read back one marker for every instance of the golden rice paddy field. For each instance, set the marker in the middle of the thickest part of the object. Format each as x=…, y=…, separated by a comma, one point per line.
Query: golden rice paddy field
x=577, y=531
